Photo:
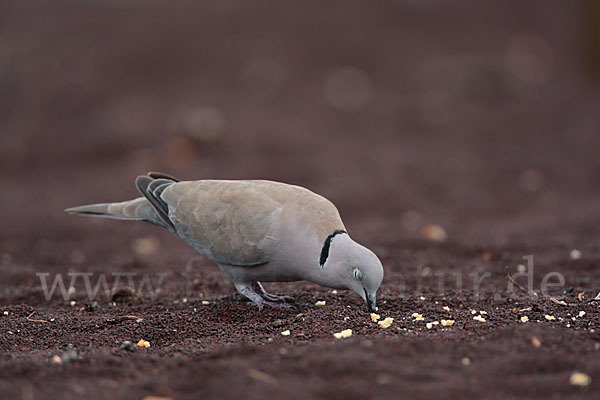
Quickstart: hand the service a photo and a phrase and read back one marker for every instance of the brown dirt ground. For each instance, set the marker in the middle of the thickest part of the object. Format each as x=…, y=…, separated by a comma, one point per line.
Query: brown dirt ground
x=478, y=116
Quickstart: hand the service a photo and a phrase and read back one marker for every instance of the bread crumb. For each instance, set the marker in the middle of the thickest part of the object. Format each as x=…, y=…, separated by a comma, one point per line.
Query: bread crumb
x=343, y=334
x=549, y=317
x=320, y=303
x=375, y=317
x=447, y=322
x=473, y=312
x=446, y=308
x=386, y=322
x=479, y=318
x=143, y=343
x=286, y=333
x=417, y=316
x=580, y=379
x=524, y=318
x=581, y=314
x=205, y=303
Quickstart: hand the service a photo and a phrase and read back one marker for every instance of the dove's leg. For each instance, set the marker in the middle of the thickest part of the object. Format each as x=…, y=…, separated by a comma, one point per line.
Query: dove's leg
x=246, y=290
x=258, y=287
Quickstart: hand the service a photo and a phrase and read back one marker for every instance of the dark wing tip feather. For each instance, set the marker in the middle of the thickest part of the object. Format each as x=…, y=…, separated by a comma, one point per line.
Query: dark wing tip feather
x=144, y=185
x=161, y=175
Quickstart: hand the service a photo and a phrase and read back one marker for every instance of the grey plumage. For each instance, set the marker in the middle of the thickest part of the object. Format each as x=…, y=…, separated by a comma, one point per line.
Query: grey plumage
x=254, y=230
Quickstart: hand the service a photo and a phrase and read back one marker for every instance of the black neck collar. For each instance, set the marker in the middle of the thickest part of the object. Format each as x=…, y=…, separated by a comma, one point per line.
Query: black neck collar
x=327, y=245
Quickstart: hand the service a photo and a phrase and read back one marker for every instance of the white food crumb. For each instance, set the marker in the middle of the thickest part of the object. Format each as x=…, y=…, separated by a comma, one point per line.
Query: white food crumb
x=417, y=316
x=524, y=319
x=446, y=308
x=580, y=379
x=286, y=333
x=447, y=322
x=581, y=314
x=343, y=334
x=386, y=322
x=204, y=302
x=320, y=303
x=72, y=303
x=143, y=343
x=479, y=318
x=549, y=317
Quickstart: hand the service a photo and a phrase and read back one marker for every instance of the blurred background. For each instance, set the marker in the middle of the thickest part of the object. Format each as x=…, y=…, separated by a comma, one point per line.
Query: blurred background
x=479, y=119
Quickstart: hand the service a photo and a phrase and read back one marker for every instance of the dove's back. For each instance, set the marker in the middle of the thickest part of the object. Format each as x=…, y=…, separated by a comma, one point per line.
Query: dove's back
x=237, y=222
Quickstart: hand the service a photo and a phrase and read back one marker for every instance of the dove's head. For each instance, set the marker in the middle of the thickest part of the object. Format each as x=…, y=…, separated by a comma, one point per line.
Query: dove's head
x=355, y=267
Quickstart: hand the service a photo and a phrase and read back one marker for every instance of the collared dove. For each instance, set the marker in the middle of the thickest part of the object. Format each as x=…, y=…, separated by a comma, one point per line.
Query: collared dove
x=256, y=231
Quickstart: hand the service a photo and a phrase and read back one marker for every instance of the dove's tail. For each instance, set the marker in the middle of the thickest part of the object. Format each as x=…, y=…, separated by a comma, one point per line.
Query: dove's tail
x=150, y=208
x=138, y=209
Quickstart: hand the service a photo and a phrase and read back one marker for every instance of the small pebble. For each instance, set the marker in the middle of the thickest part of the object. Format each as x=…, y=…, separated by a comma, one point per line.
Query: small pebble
x=127, y=346
x=575, y=254
x=434, y=233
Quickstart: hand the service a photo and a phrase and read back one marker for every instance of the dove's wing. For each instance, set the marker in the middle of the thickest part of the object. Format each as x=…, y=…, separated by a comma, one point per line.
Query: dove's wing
x=232, y=222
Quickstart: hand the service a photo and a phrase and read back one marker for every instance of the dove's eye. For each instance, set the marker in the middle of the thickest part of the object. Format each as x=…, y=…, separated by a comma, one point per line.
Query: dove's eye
x=357, y=274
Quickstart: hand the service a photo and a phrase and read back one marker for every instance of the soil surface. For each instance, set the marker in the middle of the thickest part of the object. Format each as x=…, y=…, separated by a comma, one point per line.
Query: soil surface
x=456, y=138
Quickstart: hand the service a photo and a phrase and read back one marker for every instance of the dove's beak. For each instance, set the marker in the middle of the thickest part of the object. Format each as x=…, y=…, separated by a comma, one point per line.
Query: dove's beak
x=371, y=302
